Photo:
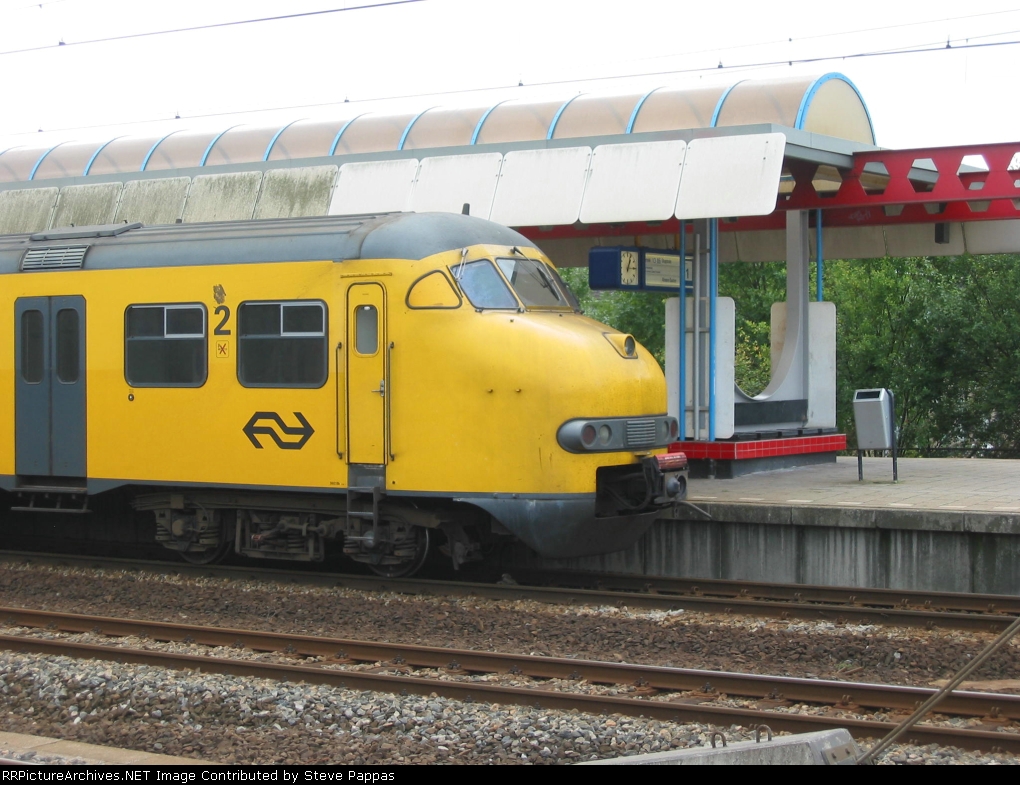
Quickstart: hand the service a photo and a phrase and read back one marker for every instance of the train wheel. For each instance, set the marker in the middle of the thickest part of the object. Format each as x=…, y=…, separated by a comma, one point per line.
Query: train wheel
x=220, y=546
x=208, y=556
x=409, y=567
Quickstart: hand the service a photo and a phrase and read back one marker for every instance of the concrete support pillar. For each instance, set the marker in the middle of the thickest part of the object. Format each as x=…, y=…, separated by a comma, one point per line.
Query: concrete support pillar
x=790, y=373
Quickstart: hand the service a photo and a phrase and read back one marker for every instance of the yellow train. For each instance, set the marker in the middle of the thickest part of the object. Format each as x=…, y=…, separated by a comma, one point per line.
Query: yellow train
x=265, y=386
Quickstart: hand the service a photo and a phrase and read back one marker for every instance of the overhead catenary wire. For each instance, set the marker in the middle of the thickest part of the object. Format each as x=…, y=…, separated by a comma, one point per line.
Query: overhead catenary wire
x=930, y=48
x=213, y=26
x=30, y=6
x=841, y=33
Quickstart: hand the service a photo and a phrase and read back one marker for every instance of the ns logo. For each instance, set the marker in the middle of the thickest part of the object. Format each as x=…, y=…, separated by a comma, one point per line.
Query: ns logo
x=272, y=425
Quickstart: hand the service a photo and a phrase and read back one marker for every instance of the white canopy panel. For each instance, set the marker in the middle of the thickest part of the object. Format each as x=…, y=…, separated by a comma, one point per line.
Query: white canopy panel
x=633, y=182
x=541, y=187
x=154, y=201
x=446, y=183
x=290, y=193
x=731, y=176
x=223, y=197
x=374, y=187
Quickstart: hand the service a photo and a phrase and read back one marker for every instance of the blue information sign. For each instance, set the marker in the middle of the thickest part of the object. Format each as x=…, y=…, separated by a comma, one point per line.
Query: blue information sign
x=637, y=269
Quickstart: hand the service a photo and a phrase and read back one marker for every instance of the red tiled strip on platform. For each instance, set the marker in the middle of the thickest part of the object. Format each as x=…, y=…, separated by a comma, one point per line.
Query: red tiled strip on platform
x=761, y=448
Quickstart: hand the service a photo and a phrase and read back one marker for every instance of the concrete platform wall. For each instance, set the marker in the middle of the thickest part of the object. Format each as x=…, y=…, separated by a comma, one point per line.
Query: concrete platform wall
x=819, y=551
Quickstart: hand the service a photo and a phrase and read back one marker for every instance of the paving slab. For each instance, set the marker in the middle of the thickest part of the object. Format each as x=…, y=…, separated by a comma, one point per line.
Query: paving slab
x=56, y=750
x=935, y=484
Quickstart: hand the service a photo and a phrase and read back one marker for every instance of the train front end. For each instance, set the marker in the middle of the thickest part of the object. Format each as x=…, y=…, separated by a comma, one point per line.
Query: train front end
x=573, y=457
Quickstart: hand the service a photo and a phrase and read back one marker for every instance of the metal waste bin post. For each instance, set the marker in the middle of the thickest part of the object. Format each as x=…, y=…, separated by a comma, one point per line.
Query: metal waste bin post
x=875, y=420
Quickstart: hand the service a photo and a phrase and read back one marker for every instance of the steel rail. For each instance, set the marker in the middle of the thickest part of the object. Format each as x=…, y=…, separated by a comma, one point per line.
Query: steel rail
x=807, y=593
x=538, y=698
x=661, y=678
x=740, y=604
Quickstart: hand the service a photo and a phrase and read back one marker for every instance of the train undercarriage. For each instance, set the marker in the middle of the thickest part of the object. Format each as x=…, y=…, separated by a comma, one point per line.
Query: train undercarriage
x=392, y=538
x=394, y=535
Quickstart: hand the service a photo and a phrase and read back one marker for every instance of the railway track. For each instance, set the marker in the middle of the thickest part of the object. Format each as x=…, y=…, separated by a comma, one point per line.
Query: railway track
x=882, y=599
x=673, y=694
x=980, y=613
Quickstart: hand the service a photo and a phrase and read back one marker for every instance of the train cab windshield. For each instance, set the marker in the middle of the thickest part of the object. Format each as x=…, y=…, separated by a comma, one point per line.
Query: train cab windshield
x=536, y=285
x=533, y=283
x=483, y=286
x=572, y=301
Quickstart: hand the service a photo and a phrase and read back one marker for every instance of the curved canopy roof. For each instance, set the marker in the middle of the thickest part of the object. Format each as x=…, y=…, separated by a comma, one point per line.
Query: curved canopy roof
x=828, y=105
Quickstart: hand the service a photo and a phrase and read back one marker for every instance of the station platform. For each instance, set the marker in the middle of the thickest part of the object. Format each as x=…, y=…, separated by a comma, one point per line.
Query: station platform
x=930, y=487
x=947, y=525
x=15, y=746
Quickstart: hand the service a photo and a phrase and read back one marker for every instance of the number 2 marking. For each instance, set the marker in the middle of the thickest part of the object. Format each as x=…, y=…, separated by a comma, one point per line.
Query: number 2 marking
x=226, y=317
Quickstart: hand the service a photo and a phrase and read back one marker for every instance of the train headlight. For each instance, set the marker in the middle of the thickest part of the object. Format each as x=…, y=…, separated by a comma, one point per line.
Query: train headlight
x=674, y=429
x=617, y=434
x=624, y=344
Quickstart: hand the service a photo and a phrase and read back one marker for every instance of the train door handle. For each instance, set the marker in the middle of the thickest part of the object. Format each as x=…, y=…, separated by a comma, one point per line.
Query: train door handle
x=382, y=388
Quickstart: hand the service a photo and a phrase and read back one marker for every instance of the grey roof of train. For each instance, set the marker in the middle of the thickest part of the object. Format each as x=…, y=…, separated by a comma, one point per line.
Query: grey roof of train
x=337, y=238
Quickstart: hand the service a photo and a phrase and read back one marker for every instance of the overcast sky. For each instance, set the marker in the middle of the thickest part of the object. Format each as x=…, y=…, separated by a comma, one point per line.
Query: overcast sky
x=475, y=52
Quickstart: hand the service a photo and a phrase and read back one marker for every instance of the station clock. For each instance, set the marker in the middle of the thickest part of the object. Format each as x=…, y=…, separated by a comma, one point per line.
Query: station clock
x=629, y=275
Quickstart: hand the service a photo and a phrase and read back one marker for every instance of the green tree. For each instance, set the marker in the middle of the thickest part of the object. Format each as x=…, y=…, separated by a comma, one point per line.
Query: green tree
x=940, y=332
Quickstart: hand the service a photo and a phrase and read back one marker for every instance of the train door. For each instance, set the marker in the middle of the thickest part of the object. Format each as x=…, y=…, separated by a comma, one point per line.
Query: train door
x=367, y=383
x=49, y=387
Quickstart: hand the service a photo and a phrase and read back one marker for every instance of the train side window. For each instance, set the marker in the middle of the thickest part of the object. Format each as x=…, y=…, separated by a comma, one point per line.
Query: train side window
x=282, y=344
x=68, y=346
x=433, y=290
x=165, y=346
x=366, y=322
x=32, y=346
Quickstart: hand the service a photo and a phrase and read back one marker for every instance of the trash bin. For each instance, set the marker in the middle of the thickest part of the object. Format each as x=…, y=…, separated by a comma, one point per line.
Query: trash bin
x=875, y=420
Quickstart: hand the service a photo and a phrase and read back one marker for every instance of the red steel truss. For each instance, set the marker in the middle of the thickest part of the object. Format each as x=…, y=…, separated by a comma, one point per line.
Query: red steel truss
x=930, y=184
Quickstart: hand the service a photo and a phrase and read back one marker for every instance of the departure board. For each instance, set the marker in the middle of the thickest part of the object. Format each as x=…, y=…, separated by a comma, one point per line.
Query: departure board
x=662, y=269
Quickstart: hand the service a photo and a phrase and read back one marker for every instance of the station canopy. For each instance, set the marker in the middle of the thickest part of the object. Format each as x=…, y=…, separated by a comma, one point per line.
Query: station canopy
x=829, y=105
x=575, y=172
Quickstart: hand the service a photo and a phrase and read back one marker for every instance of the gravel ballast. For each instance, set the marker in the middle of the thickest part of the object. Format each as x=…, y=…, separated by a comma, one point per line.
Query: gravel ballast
x=683, y=639
x=226, y=719
x=234, y=720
